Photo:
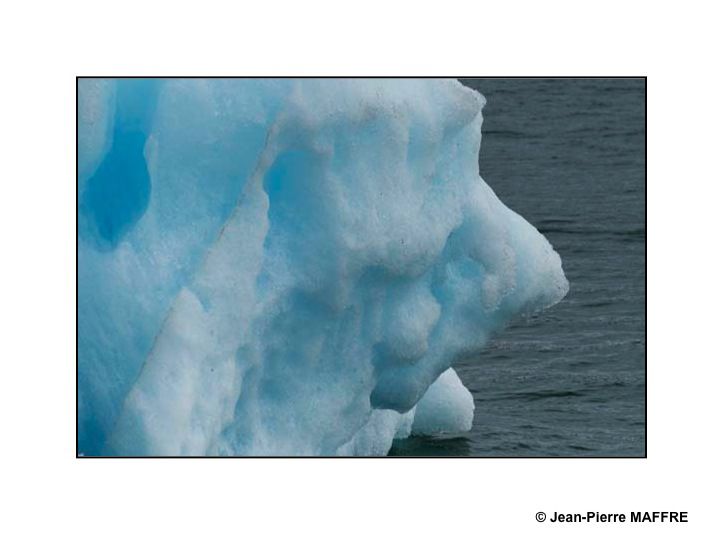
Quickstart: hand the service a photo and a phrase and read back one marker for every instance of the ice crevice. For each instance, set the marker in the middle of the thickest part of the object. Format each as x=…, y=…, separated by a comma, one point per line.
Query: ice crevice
x=308, y=261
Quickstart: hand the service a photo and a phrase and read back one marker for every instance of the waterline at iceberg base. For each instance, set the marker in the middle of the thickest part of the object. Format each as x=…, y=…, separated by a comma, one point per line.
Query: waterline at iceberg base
x=287, y=266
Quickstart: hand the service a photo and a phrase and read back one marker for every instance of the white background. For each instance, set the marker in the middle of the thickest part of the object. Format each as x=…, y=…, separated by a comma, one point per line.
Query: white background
x=47, y=493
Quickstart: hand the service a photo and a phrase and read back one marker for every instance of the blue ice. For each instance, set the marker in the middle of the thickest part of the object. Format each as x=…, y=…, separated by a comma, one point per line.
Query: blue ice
x=287, y=267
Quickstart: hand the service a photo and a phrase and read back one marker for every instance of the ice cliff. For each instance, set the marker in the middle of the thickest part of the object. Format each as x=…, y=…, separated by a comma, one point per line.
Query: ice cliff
x=287, y=266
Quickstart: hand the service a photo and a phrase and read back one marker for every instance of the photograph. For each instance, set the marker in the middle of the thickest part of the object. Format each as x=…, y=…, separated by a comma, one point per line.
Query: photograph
x=361, y=267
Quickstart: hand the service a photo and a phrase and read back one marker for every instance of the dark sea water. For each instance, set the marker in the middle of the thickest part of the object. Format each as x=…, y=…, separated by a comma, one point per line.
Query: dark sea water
x=569, y=156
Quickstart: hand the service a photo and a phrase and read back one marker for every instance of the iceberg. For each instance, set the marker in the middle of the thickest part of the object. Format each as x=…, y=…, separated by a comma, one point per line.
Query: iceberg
x=287, y=266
